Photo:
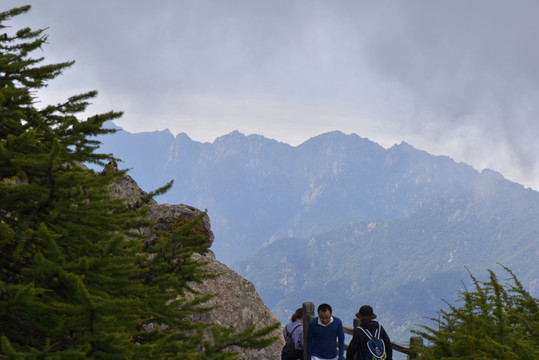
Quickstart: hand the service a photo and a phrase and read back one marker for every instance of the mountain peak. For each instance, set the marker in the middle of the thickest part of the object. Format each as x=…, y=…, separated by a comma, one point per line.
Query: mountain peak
x=403, y=146
x=111, y=125
x=234, y=135
x=183, y=137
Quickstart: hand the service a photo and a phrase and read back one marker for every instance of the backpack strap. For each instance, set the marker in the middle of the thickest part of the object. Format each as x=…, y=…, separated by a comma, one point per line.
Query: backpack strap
x=294, y=329
x=377, y=332
x=365, y=331
x=368, y=333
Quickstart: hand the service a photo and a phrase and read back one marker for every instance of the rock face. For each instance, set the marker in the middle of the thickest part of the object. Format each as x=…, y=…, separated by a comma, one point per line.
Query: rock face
x=238, y=302
x=164, y=214
x=238, y=306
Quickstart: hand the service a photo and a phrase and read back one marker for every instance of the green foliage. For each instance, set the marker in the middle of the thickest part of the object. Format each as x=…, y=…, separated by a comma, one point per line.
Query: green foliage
x=77, y=281
x=496, y=321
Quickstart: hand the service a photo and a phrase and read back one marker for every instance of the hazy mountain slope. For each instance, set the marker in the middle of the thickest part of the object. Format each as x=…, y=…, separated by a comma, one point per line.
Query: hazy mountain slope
x=256, y=189
x=406, y=265
x=344, y=220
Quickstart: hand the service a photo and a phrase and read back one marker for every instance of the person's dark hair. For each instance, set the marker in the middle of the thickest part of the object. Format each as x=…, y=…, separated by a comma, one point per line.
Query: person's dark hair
x=324, y=308
x=297, y=315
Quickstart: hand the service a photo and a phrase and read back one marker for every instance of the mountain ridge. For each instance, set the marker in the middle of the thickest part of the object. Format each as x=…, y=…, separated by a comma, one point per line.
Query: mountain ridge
x=404, y=258
x=287, y=188
x=297, y=221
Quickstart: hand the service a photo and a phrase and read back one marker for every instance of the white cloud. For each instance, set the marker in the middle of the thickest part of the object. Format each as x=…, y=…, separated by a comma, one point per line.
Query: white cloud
x=451, y=77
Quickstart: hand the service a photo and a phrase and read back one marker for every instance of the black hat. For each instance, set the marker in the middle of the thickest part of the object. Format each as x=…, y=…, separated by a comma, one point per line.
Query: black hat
x=365, y=313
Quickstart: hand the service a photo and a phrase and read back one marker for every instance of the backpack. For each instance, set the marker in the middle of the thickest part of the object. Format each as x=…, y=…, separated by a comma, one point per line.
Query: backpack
x=289, y=350
x=376, y=347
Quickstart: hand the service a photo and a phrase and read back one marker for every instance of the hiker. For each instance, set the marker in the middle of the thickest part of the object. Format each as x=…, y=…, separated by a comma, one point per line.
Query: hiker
x=322, y=335
x=367, y=329
x=295, y=329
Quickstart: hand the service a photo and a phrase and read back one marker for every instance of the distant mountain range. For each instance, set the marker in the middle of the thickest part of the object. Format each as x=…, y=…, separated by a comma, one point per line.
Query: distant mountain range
x=343, y=220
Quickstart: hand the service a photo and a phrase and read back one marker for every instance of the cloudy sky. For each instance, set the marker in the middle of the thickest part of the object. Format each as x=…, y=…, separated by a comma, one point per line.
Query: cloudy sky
x=452, y=77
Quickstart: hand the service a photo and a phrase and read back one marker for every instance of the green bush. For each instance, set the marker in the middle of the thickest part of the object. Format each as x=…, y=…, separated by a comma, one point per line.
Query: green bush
x=495, y=321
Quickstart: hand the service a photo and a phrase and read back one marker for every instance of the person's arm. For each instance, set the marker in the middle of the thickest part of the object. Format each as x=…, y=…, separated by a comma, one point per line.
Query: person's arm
x=387, y=343
x=300, y=338
x=353, y=346
x=309, y=340
x=341, y=341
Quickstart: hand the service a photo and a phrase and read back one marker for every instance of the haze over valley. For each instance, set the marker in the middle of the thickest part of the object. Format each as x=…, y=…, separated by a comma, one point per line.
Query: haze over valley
x=341, y=219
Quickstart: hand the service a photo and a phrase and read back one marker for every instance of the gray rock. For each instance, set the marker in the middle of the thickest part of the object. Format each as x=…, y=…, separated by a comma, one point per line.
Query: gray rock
x=238, y=303
x=165, y=215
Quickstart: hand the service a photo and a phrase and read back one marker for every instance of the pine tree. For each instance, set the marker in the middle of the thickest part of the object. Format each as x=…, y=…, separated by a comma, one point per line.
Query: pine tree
x=77, y=281
x=495, y=321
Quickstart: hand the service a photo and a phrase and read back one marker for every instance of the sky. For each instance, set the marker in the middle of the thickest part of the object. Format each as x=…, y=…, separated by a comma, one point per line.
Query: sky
x=451, y=77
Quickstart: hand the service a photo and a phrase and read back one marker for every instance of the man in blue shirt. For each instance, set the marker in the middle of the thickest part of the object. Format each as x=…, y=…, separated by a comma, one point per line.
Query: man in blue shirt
x=322, y=336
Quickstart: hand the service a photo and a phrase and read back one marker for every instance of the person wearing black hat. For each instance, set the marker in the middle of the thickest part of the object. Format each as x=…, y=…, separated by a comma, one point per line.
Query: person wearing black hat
x=360, y=338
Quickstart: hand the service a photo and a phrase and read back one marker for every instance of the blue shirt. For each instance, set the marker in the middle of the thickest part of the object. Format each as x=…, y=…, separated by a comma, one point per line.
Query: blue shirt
x=322, y=340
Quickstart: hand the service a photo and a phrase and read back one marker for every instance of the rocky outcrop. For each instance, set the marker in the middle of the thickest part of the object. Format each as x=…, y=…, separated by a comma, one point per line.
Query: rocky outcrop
x=237, y=303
